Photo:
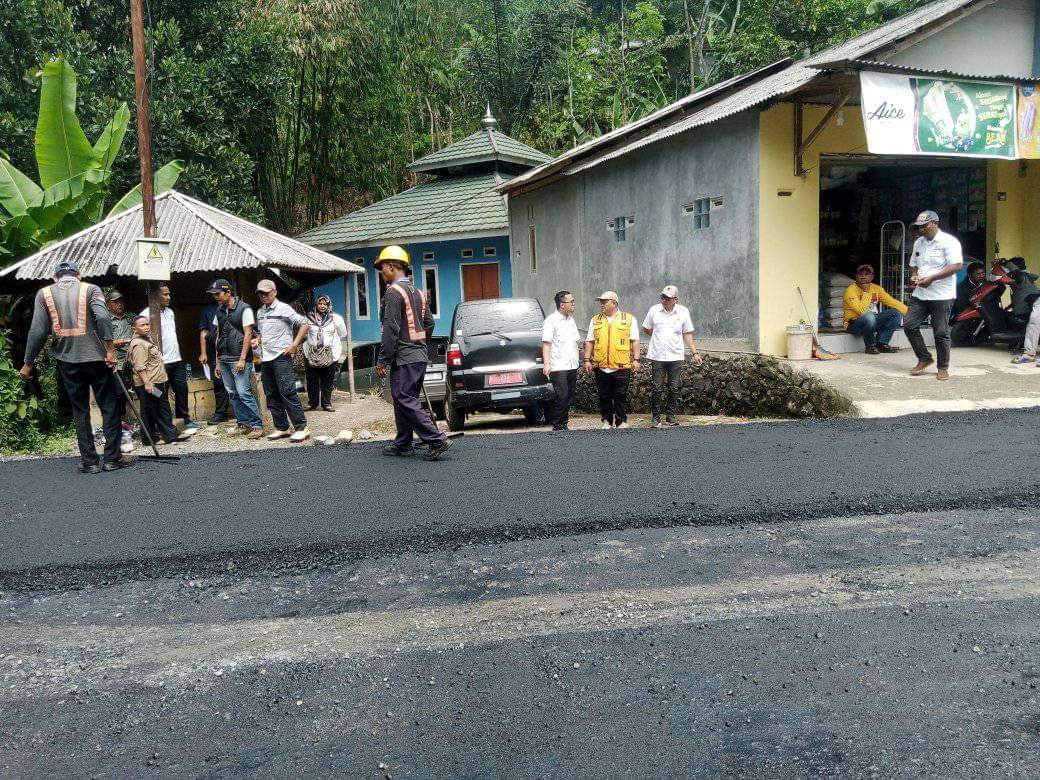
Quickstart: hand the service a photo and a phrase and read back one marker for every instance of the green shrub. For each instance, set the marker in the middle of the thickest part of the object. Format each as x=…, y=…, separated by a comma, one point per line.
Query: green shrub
x=27, y=425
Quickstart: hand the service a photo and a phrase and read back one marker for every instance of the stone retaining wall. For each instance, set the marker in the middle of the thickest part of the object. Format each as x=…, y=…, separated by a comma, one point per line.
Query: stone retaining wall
x=735, y=384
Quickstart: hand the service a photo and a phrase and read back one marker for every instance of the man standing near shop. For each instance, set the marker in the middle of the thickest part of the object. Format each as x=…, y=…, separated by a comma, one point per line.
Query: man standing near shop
x=176, y=370
x=208, y=357
x=232, y=332
x=934, y=264
x=406, y=319
x=74, y=314
x=561, y=344
x=612, y=352
x=670, y=328
x=275, y=323
x=122, y=333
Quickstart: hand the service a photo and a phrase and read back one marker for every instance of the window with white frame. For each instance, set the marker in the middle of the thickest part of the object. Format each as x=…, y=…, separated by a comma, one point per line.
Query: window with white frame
x=467, y=254
x=702, y=213
x=427, y=257
x=490, y=251
x=361, y=291
x=432, y=288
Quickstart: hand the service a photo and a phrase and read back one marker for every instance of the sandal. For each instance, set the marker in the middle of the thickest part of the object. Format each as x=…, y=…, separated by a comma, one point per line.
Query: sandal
x=1023, y=359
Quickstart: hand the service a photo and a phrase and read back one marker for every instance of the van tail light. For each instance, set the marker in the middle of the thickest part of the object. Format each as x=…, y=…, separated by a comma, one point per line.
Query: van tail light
x=454, y=356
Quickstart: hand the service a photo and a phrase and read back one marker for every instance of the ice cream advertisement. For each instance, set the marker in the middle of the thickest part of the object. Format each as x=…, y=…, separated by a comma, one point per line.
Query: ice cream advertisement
x=1029, y=121
x=910, y=115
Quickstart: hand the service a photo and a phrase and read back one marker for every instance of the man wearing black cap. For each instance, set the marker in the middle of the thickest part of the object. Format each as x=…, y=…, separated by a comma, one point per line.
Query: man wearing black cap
x=208, y=357
x=934, y=264
x=232, y=329
x=122, y=334
x=74, y=314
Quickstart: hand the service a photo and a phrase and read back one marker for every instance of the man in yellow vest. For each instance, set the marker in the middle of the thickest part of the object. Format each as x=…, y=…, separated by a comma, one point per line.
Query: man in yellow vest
x=612, y=350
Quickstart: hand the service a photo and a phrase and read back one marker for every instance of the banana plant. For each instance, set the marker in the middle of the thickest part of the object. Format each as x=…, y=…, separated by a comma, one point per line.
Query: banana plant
x=74, y=174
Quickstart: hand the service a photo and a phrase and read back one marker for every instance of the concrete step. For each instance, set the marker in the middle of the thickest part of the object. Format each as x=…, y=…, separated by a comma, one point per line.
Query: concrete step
x=845, y=343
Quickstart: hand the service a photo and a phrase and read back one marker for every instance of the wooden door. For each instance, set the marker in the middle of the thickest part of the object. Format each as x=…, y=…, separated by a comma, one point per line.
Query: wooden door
x=479, y=281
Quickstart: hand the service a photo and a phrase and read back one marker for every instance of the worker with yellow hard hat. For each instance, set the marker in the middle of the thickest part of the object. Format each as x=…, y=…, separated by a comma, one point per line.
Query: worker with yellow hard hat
x=612, y=354
x=406, y=320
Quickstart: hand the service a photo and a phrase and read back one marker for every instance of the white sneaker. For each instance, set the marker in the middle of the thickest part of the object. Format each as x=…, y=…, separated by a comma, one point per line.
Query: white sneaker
x=606, y=426
x=300, y=435
x=623, y=425
x=276, y=435
x=189, y=432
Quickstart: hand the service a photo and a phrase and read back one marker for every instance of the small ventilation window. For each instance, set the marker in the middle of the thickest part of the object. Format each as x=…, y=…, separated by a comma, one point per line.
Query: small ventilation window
x=490, y=251
x=467, y=253
x=427, y=256
x=702, y=213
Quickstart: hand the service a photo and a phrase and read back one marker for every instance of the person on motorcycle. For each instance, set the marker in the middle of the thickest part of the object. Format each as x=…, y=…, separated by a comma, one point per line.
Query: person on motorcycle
x=1025, y=297
x=864, y=315
x=968, y=286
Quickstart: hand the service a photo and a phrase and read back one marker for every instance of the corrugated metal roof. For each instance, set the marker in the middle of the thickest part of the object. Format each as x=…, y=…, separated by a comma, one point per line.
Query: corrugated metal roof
x=749, y=91
x=893, y=67
x=203, y=238
x=462, y=204
x=483, y=146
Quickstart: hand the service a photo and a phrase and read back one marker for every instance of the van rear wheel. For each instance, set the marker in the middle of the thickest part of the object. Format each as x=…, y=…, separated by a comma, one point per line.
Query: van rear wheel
x=456, y=417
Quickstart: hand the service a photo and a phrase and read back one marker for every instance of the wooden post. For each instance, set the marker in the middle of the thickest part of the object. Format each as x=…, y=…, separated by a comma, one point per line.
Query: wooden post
x=350, y=338
x=144, y=151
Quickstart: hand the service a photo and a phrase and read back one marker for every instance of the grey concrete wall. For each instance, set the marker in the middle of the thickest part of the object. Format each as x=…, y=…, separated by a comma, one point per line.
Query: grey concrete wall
x=715, y=269
x=995, y=41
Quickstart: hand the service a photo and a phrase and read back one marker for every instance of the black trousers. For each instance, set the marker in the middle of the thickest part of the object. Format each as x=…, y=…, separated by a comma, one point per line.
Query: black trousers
x=612, y=389
x=221, y=401
x=125, y=373
x=563, y=383
x=667, y=373
x=280, y=388
x=155, y=414
x=178, y=375
x=79, y=379
x=939, y=311
x=319, y=384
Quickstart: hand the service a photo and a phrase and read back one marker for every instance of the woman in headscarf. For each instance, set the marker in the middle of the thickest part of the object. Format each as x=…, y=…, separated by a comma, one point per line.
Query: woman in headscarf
x=323, y=352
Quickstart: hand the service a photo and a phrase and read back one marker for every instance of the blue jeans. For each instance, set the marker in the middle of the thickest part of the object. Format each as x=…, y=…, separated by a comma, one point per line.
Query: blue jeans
x=239, y=390
x=876, y=328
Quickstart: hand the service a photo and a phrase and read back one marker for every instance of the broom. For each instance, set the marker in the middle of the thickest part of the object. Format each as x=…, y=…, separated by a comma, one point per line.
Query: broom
x=818, y=351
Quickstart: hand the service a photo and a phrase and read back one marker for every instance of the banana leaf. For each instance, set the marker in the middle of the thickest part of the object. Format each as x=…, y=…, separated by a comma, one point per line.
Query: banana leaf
x=17, y=190
x=62, y=149
x=65, y=197
x=165, y=178
x=108, y=144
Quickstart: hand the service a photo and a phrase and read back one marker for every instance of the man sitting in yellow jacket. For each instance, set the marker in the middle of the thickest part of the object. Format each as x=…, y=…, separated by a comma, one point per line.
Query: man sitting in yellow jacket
x=864, y=315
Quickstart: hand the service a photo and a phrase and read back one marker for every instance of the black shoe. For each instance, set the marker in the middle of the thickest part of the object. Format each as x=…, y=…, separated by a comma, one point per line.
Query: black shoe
x=88, y=468
x=115, y=465
x=217, y=419
x=672, y=422
x=436, y=449
x=393, y=451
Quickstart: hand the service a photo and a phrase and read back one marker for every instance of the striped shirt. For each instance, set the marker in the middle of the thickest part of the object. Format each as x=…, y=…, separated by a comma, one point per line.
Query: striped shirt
x=276, y=324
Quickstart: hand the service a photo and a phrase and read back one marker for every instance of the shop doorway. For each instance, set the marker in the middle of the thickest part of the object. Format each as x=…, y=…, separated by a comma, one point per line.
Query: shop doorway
x=866, y=206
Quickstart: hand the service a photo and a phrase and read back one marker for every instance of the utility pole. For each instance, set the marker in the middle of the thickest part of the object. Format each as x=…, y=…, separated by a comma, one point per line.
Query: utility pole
x=144, y=151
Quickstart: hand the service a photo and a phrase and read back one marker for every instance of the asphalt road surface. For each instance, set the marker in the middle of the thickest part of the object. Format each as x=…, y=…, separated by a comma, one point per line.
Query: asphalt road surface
x=839, y=599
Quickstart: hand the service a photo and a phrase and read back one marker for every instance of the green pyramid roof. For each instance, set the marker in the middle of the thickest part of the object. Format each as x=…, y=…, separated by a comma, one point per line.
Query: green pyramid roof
x=489, y=144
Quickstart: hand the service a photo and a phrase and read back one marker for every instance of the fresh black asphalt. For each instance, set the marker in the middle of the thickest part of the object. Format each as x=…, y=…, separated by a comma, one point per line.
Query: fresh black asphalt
x=352, y=501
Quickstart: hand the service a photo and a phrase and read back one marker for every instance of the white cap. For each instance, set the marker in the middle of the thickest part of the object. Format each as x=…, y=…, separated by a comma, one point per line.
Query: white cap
x=609, y=295
x=670, y=291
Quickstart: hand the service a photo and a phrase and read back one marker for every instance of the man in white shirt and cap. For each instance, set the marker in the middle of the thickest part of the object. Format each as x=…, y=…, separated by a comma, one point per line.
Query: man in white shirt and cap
x=612, y=353
x=934, y=264
x=670, y=328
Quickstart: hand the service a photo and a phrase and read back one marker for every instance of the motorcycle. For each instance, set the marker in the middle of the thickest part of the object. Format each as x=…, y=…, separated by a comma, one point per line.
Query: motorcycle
x=986, y=319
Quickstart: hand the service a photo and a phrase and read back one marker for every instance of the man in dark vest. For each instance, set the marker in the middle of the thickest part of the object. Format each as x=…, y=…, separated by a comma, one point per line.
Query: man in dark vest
x=232, y=330
x=406, y=320
x=74, y=314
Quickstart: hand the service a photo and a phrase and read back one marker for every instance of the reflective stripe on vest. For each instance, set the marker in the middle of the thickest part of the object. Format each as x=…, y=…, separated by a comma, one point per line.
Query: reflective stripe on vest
x=415, y=331
x=612, y=345
x=80, y=328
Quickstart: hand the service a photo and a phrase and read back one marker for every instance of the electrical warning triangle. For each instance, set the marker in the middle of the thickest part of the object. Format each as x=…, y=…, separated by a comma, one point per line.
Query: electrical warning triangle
x=154, y=253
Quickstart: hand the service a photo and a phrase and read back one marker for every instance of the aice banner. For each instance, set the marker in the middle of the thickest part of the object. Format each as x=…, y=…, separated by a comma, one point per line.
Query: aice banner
x=911, y=115
x=1029, y=121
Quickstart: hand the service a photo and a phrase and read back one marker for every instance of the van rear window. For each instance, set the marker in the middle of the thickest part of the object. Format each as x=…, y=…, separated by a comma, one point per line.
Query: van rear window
x=500, y=315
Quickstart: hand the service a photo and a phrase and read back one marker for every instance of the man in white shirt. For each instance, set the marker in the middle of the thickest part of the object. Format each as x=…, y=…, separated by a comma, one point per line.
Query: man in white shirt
x=670, y=329
x=560, y=346
x=275, y=323
x=612, y=350
x=176, y=369
x=934, y=264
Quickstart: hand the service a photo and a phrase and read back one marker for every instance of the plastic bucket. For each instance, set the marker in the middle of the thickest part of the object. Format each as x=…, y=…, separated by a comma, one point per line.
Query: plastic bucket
x=799, y=344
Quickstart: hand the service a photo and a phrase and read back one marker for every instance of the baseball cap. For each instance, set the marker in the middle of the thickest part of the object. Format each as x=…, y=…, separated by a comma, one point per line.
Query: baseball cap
x=218, y=285
x=113, y=295
x=66, y=267
x=670, y=291
x=925, y=217
x=265, y=285
x=609, y=295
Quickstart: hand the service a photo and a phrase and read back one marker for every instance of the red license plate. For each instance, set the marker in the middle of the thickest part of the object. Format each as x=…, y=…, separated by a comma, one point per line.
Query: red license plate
x=507, y=378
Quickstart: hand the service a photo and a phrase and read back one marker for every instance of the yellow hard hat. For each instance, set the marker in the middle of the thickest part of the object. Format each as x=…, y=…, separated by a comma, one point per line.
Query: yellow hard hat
x=395, y=253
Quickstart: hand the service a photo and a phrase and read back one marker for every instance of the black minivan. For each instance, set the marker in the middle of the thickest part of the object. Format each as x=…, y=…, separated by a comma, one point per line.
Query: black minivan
x=495, y=360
